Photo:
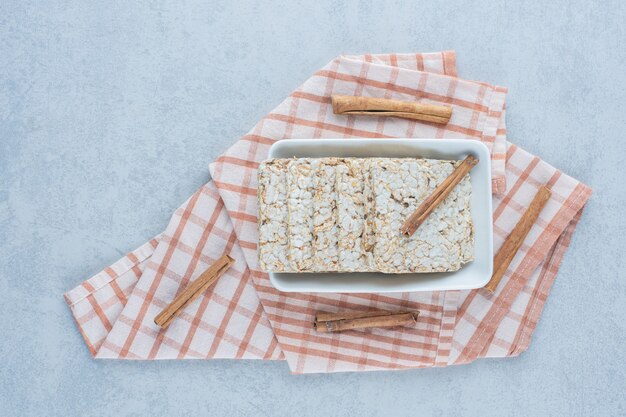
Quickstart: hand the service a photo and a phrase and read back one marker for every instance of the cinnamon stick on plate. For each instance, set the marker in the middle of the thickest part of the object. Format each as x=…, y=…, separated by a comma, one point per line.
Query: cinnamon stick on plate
x=369, y=106
x=337, y=322
x=514, y=241
x=415, y=220
x=192, y=291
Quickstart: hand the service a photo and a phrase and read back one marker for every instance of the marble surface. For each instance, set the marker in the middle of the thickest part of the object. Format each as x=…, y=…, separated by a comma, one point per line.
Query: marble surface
x=111, y=111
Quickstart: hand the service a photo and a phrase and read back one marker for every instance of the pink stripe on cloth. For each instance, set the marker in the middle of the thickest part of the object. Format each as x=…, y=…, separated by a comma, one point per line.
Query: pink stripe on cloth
x=244, y=317
x=101, y=298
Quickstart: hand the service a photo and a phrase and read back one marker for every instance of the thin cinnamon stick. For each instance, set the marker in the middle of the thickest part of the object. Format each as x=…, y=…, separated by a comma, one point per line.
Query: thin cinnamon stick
x=337, y=322
x=192, y=291
x=370, y=106
x=415, y=220
x=514, y=241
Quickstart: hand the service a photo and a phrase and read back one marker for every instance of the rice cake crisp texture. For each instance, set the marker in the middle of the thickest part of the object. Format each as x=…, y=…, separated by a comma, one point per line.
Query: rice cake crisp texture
x=301, y=187
x=325, y=230
x=272, y=195
x=344, y=214
x=440, y=243
x=352, y=215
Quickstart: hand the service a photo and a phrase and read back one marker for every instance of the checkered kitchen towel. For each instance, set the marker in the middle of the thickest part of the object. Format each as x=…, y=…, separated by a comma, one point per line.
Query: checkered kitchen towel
x=244, y=317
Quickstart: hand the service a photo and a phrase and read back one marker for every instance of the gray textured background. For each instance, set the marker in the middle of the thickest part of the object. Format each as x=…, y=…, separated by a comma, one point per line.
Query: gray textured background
x=110, y=113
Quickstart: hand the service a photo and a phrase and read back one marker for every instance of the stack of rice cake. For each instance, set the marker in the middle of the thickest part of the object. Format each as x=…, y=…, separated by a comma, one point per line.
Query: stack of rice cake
x=344, y=215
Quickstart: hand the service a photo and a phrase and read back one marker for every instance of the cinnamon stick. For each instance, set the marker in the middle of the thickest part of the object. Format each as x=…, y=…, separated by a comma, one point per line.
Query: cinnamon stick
x=337, y=322
x=514, y=241
x=192, y=291
x=415, y=220
x=369, y=106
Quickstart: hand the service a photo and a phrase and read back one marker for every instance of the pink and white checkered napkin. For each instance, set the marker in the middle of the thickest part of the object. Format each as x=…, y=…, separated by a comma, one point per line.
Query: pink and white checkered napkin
x=244, y=317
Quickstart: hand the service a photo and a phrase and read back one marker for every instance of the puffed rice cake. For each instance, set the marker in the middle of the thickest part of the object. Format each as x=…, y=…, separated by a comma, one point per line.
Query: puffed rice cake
x=344, y=215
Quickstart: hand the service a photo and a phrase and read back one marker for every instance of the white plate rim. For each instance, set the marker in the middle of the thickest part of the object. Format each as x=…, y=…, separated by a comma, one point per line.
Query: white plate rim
x=321, y=148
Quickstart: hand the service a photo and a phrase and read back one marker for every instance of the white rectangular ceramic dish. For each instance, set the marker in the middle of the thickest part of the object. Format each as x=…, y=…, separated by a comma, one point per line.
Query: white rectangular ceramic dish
x=475, y=274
